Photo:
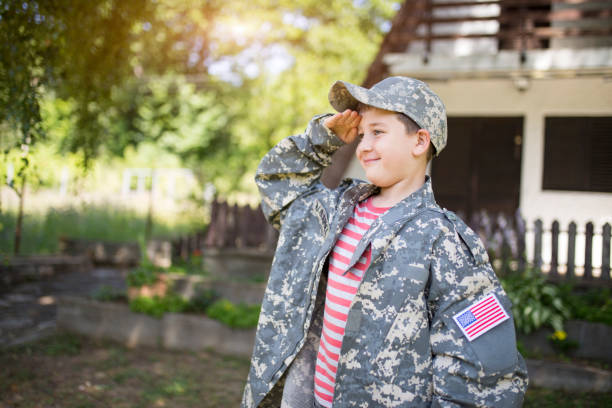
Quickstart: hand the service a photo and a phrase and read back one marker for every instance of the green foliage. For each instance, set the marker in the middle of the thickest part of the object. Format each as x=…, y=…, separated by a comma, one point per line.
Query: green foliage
x=192, y=266
x=42, y=229
x=240, y=316
x=144, y=274
x=593, y=305
x=156, y=306
x=202, y=301
x=216, y=83
x=535, y=303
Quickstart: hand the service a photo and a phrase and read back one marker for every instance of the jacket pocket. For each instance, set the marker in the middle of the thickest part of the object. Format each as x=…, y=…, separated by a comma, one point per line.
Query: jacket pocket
x=494, y=351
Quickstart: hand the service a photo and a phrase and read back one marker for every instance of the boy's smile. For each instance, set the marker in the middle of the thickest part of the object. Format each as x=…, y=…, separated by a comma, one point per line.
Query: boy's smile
x=387, y=154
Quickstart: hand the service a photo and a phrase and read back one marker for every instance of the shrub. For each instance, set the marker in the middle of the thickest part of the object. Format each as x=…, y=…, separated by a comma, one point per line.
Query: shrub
x=535, y=302
x=238, y=316
x=202, y=301
x=594, y=305
x=191, y=266
x=156, y=306
x=145, y=274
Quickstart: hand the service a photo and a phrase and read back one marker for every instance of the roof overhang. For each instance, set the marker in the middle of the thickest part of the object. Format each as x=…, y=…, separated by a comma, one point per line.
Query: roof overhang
x=535, y=64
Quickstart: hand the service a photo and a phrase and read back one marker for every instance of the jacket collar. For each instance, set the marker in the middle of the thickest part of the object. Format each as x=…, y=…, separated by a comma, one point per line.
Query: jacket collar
x=421, y=198
x=387, y=225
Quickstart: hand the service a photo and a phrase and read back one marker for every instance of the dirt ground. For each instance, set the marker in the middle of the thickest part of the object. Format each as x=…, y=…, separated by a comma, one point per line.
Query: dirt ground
x=74, y=372
x=70, y=371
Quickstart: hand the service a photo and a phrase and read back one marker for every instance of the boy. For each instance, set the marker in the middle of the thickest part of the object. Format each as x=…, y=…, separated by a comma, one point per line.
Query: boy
x=377, y=297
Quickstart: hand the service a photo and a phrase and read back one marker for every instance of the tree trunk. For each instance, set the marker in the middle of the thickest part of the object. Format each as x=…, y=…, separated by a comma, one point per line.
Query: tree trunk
x=19, y=223
x=149, y=224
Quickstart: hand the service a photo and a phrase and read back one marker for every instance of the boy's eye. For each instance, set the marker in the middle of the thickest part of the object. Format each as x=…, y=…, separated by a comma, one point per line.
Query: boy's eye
x=359, y=136
x=377, y=132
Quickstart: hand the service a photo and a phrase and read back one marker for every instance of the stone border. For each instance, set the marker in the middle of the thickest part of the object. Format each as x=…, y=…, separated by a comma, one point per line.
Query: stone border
x=568, y=377
x=175, y=331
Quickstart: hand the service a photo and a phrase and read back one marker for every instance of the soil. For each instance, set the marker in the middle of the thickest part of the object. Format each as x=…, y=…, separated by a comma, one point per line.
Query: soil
x=70, y=371
x=75, y=372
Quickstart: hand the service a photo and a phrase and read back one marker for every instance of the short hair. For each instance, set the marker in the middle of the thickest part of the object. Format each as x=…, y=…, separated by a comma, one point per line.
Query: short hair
x=410, y=125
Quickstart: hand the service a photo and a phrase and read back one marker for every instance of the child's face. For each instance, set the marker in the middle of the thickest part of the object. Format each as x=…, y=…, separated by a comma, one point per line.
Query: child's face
x=385, y=149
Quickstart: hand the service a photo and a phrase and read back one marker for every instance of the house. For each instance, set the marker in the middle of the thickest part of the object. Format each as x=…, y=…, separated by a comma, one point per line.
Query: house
x=528, y=90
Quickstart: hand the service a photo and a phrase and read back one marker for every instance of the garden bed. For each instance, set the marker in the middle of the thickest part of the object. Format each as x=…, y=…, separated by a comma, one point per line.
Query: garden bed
x=592, y=341
x=177, y=331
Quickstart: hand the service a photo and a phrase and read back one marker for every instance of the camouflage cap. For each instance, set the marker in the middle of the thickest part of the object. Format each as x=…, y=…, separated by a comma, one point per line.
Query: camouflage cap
x=406, y=95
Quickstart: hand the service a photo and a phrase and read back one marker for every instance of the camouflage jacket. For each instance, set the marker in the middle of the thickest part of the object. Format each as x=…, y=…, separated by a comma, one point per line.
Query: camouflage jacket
x=401, y=347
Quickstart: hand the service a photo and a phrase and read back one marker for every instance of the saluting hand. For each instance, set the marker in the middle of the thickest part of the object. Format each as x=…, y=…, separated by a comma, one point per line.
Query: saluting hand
x=344, y=125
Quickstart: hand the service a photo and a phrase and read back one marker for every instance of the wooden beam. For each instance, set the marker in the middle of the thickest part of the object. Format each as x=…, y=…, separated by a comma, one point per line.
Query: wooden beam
x=539, y=16
x=539, y=32
x=510, y=3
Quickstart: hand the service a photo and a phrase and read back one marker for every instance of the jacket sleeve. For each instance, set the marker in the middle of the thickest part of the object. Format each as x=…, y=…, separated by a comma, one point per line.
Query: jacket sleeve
x=488, y=370
x=293, y=168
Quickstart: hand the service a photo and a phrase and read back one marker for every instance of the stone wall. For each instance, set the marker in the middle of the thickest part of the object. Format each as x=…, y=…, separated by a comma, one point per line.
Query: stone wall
x=176, y=331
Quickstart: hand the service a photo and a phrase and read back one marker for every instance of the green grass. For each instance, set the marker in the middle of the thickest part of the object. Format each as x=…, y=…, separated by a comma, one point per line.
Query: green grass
x=43, y=228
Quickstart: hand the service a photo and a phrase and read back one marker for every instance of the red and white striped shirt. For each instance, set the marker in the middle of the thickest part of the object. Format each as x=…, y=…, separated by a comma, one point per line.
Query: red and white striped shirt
x=341, y=290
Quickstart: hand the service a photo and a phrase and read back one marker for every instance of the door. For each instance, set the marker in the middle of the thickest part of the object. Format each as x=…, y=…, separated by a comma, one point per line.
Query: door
x=480, y=166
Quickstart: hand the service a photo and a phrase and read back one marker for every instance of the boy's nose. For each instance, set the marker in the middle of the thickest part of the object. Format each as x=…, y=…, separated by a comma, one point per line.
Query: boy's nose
x=365, y=144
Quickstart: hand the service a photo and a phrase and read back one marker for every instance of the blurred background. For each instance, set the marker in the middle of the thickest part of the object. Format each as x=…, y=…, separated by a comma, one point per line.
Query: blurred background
x=103, y=101
x=130, y=233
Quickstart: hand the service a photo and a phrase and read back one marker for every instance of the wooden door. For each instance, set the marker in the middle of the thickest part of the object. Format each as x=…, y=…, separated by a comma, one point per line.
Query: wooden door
x=480, y=166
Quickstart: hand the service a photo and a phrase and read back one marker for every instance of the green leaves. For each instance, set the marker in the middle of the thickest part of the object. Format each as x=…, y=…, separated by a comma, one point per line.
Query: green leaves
x=215, y=83
x=535, y=303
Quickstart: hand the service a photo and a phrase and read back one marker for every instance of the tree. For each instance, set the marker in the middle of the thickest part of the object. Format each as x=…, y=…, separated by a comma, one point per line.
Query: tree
x=193, y=77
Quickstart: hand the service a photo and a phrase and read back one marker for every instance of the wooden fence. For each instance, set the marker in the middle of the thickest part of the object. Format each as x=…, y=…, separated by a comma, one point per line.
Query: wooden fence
x=512, y=244
x=233, y=226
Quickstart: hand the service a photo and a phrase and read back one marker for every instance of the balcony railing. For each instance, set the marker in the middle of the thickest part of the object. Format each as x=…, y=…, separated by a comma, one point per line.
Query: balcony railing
x=510, y=24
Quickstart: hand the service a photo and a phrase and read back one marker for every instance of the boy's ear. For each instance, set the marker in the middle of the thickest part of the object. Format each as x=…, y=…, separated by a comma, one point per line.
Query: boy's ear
x=422, y=143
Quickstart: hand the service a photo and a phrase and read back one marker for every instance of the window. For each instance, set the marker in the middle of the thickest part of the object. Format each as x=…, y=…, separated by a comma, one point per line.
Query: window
x=578, y=154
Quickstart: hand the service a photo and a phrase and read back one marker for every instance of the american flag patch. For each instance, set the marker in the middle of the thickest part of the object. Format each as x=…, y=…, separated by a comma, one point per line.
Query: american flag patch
x=480, y=317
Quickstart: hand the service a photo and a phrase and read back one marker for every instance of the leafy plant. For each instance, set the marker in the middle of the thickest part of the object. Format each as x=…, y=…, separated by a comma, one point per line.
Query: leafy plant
x=535, y=302
x=191, y=266
x=237, y=316
x=202, y=301
x=594, y=305
x=156, y=306
x=145, y=274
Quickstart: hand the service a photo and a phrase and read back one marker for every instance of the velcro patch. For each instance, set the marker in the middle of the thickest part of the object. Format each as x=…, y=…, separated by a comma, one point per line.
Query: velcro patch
x=480, y=317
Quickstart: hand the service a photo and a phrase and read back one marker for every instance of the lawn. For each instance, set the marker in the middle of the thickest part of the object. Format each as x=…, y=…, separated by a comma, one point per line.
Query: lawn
x=70, y=371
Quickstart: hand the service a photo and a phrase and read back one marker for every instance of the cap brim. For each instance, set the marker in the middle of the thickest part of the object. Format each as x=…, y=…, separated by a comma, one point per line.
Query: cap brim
x=344, y=95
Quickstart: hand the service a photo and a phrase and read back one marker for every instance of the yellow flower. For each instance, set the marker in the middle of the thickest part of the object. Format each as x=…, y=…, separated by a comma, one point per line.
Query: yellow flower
x=559, y=335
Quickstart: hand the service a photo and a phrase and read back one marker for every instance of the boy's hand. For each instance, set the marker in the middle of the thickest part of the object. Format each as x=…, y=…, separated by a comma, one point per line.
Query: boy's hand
x=344, y=125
